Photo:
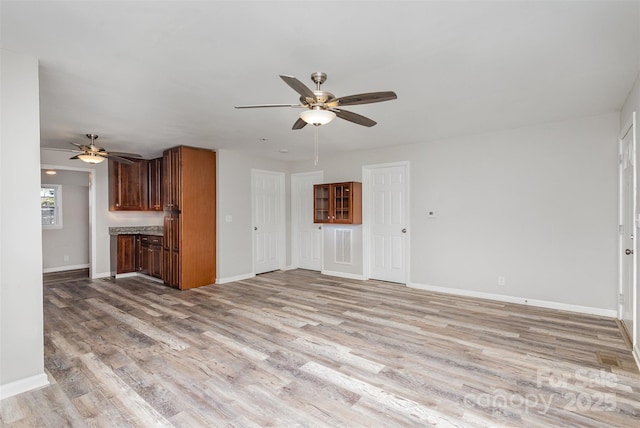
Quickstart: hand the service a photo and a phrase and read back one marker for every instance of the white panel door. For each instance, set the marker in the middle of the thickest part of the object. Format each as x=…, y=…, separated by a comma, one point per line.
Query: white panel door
x=388, y=223
x=307, y=236
x=267, y=220
x=627, y=265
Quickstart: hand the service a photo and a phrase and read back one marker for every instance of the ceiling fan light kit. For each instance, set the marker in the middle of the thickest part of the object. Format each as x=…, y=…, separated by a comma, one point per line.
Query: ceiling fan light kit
x=321, y=107
x=93, y=154
x=316, y=116
x=91, y=158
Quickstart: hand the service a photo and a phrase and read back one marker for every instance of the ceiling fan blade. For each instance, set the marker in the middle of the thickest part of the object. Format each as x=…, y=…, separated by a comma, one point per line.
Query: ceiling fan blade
x=299, y=124
x=367, y=98
x=128, y=155
x=117, y=158
x=299, y=87
x=62, y=150
x=270, y=105
x=354, y=117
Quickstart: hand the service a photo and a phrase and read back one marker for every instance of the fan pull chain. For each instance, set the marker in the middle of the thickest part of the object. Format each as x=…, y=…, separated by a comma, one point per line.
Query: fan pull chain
x=315, y=142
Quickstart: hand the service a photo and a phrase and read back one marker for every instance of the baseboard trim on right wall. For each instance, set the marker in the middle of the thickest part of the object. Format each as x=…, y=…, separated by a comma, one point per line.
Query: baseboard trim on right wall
x=610, y=313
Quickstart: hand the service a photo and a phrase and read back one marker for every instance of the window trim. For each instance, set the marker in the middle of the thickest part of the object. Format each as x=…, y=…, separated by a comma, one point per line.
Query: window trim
x=57, y=205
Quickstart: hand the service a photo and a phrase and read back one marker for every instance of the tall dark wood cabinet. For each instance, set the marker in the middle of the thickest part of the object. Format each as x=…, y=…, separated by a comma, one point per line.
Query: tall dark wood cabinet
x=128, y=186
x=171, y=249
x=154, y=184
x=189, y=246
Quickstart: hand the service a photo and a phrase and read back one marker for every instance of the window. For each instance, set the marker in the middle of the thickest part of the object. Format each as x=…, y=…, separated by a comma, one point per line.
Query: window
x=51, y=206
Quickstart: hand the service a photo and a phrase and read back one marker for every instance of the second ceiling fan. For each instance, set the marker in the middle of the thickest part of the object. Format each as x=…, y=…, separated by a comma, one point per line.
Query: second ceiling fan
x=321, y=107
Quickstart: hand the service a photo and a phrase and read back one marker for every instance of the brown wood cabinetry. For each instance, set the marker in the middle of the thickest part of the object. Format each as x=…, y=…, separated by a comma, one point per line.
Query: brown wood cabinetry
x=136, y=187
x=150, y=255
x=337, y=203
x=189, y=249
x=154, y=184
x=128, y=186
x=171, y=167
x=126, y=258
x=171, y=249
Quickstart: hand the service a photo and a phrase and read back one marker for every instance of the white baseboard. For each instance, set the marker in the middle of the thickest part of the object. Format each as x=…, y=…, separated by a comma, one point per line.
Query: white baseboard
x=290, y=267
x=235, y=278
x=101, y=275
x=23, y=385
x=342, y=274
x=610, y=313
x=150, y=278
x=636, y=355
x=65, y=268
x=126, y=275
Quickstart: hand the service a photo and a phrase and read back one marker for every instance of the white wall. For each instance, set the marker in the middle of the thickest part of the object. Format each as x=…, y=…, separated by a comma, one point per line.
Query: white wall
x=235, y=254
x=21, y=321
x=537, y=205
x=631, y=104
x=72, y=240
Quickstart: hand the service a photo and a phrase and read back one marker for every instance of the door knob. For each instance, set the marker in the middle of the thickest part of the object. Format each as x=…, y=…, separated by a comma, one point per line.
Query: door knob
x=628, y=251
x=255, y=228
x=404, y=230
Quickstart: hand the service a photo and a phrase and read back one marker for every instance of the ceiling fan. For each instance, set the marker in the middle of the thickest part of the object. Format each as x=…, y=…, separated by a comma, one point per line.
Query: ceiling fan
x=321, y=107
x=93, y=154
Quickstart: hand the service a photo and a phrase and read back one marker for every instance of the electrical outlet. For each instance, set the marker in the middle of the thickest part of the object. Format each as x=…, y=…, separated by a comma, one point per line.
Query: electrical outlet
x=66, y=258
x=502, y=280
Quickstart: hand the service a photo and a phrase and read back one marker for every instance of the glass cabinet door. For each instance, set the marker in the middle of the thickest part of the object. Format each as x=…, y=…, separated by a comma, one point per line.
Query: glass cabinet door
x=321, y=203
x=337, y=203
x=341, y=202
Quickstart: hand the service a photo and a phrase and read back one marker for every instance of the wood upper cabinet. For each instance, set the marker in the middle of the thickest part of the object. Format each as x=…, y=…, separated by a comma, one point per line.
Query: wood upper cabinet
x=172, y=184
x=337, y=203
x=154, y=184
x=136, y=187
x=128, y=186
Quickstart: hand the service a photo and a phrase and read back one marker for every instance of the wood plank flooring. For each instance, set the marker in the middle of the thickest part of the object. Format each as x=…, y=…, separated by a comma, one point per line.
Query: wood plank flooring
x=301, y=349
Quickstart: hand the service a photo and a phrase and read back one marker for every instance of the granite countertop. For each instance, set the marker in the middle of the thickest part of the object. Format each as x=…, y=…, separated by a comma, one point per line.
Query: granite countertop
x=136, y=230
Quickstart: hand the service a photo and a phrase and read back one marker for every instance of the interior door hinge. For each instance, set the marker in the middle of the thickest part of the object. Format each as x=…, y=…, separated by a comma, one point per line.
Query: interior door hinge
x=621, y=299
x=621, y=229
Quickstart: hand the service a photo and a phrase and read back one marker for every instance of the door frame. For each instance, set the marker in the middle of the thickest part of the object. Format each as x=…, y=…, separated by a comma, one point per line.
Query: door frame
x=92, y=212
x=367, y=209
x=295, y=217
x=282, y=248
x=630, y=126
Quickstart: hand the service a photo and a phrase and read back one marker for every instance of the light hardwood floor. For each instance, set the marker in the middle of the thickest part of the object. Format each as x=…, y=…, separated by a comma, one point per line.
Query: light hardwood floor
x=300, y=349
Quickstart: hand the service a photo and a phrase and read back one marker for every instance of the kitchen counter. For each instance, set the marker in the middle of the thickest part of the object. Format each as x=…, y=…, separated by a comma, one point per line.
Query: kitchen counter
x=136, y=230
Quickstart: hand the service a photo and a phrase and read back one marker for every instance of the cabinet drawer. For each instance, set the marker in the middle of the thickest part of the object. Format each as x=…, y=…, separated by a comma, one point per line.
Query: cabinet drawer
x=150, y=240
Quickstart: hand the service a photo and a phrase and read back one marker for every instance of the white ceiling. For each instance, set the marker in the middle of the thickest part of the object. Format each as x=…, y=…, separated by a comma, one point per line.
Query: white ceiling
x=148, y=75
